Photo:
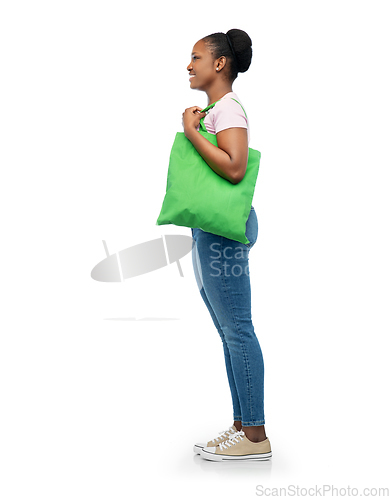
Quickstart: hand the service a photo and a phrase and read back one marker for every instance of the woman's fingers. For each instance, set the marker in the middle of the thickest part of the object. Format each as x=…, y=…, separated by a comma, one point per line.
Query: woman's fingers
x=193, y=109
x=192, y=117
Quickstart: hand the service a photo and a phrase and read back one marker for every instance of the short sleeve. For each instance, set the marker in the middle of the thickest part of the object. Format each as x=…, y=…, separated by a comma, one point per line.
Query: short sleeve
x=228, y=113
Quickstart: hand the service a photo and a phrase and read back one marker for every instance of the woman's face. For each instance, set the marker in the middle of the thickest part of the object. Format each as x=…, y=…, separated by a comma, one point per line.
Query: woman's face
x=202, y=67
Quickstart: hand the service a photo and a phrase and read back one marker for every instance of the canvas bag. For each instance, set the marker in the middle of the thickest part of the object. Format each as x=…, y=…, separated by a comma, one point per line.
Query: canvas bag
x=197, y=197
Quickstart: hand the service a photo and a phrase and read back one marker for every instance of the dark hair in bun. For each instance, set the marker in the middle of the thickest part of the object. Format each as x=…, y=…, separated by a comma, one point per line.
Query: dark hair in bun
x=239, y=58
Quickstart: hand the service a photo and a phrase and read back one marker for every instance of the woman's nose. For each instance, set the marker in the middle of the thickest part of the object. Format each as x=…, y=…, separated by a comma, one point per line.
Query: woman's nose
x=189, y=67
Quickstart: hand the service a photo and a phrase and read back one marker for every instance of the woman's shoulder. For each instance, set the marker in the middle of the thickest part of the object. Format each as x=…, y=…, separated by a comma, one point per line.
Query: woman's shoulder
x=229, y=101
x=229, y=106
x=228, y=112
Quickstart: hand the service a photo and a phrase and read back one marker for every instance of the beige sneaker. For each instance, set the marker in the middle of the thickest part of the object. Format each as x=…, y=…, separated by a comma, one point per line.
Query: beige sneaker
x=238, y=447
x=223, y=436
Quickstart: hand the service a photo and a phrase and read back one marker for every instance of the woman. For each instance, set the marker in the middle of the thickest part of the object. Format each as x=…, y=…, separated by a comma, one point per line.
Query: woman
x=221, y=264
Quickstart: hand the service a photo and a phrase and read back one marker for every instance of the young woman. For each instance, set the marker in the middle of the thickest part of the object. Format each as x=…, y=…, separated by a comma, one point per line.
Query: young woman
x=221, y=265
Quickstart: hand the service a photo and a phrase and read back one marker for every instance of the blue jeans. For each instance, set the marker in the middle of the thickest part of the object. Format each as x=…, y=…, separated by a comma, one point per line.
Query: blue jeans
x=221, y=269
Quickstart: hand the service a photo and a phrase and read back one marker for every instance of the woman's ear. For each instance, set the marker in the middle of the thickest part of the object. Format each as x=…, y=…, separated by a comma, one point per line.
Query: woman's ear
x=221, y=63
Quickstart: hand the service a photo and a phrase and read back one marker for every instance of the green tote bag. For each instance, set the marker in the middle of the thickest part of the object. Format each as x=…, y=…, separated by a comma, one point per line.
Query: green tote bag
x=198, y=197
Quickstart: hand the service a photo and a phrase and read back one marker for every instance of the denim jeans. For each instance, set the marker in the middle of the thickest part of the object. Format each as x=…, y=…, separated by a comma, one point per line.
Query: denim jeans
x=221, y=267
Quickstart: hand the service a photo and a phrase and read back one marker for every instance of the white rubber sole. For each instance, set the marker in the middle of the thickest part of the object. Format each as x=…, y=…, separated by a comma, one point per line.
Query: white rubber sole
x=224, y=458
x=197, y=449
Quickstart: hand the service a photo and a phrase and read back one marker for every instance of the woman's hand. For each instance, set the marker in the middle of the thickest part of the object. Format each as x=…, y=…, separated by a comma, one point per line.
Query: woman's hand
x=191, y=119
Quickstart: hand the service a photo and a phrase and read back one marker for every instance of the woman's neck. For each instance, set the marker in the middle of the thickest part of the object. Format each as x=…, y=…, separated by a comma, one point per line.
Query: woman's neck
x=215, y=94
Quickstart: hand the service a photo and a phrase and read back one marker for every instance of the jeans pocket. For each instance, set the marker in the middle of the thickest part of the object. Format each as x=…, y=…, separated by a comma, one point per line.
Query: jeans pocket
x=251, y=228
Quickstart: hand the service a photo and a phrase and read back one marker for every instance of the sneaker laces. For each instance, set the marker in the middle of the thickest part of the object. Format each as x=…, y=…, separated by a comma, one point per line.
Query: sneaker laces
x=236, y=438
x=224, y=434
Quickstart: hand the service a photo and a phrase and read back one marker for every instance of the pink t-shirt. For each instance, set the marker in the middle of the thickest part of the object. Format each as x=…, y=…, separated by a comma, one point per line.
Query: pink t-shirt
x=226, y=113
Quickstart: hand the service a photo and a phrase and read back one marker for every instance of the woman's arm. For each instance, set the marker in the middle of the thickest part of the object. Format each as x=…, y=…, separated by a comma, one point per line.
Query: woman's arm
x=230, y=158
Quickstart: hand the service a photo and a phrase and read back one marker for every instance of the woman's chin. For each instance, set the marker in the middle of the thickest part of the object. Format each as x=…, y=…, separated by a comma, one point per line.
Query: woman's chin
x=194, y=86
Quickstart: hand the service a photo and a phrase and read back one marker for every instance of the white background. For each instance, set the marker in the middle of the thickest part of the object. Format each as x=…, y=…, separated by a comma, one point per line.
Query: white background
x=98, y=404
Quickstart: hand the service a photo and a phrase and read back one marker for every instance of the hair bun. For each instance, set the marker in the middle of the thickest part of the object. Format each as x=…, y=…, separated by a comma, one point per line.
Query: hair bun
x=242, y=45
